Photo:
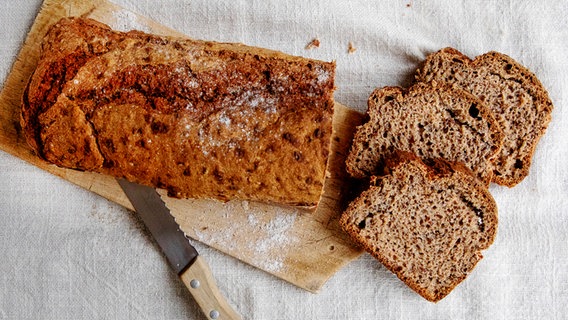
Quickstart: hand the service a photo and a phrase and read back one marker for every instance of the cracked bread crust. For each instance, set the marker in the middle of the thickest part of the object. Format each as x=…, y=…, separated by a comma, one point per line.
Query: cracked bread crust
x=426, y=223
x=431, y=120
x=518, y=100
x=200, y=119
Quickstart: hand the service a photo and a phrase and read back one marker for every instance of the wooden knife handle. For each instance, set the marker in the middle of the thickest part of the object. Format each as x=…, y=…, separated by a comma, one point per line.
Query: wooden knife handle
x=200, y=282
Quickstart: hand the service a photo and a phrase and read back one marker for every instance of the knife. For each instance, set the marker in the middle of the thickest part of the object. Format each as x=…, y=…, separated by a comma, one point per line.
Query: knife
x=182, y=256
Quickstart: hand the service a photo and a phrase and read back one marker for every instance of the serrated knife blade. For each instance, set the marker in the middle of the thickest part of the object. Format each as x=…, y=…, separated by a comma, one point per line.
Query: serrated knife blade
x=182, y=256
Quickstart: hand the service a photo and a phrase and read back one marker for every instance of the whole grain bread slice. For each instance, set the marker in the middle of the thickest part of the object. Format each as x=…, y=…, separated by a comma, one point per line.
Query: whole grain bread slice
x=425, y=223
x=430, y=120
x=516, y=97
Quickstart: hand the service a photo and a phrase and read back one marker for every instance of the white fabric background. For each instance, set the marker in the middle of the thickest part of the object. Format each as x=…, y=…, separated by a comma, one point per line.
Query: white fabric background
x=68, y=254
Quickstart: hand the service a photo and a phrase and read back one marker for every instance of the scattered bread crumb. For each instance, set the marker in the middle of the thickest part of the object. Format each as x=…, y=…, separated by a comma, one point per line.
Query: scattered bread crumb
x=315, y=43
x=351, y=48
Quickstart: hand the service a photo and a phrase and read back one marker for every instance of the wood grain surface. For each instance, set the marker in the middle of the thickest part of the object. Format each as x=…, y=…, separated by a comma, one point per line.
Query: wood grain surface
x=302, y=247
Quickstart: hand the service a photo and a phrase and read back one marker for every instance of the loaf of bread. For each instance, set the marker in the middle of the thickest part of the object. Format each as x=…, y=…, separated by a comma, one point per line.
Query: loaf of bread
x=430, y=120
x=425, y=223
x=516, y=97
x=200, y=119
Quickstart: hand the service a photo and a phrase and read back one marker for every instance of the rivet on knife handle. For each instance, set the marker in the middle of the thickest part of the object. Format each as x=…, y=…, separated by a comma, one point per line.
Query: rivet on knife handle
x=183, y=257
x=200, y=282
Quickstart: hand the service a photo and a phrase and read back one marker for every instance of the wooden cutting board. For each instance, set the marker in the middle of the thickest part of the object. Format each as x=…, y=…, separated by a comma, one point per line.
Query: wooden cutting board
x=302, y=247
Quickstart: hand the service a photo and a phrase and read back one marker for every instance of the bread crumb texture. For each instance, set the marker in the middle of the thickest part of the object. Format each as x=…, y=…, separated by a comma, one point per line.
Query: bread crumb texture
x=431, y=120
x=518, y=100
x=425, y=223
x=200, y=119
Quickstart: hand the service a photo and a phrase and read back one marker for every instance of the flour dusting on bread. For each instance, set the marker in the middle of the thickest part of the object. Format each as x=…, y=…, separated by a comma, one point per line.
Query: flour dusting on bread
x=199, y=119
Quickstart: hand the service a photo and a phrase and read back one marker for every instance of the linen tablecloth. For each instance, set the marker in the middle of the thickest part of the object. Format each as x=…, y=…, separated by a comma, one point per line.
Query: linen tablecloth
x=66, y=253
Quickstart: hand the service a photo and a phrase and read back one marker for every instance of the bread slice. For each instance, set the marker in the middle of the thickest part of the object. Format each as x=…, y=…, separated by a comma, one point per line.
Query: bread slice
x=200, y=119
x=516, y=97
x=430, y=120
x=426, y=224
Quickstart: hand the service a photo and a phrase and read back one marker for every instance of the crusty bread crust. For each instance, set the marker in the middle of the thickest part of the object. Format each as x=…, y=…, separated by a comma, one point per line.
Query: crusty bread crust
x=200, y=119
x=425, y=223
x=518, y=100
x=431, y=120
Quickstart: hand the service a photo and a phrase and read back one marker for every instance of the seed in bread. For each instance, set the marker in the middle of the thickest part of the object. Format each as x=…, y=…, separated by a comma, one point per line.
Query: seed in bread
x=430, y=120
x=513, y=93
x=200, y=119
x=425, y=223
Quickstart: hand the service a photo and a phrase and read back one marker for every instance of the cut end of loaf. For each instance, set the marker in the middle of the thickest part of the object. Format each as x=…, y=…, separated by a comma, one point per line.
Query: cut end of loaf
x=426, y=224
